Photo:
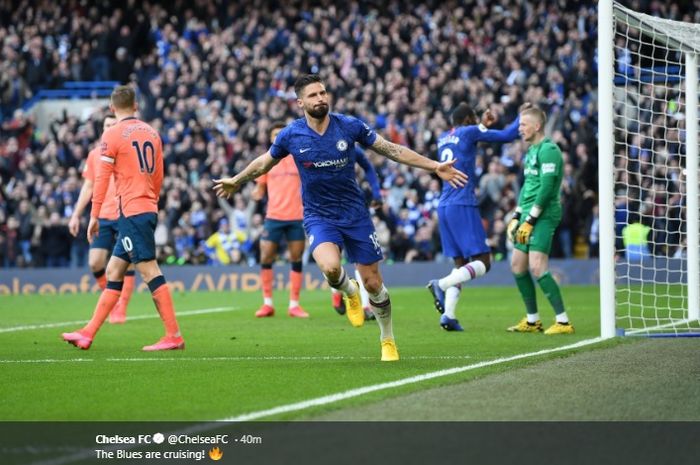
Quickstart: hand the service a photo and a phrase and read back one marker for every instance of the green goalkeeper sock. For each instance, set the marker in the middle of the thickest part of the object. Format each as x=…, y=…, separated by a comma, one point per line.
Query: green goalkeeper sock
x=527, y=291
x=551, y=290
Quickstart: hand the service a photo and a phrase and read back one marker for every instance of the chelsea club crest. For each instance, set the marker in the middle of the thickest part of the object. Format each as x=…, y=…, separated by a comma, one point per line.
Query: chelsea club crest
x=341, y=145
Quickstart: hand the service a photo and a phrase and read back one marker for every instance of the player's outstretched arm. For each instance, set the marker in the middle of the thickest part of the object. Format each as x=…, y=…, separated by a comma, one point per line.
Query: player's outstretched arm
x=224, y=187
x=401, y=154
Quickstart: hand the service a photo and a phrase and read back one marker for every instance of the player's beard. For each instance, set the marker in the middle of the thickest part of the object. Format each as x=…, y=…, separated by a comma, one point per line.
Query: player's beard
x=319, y=111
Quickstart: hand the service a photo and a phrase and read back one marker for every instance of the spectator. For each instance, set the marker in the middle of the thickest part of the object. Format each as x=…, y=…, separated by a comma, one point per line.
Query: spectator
x=567, y=227
x=10, y=251
x=14, y=90
x=497, y=240
x=594, y=234
x=422, y=249
x=55, y=242
x=636, y=239
x=211, y=80
x=25, y=230
x=491, y=186
x=225, y=245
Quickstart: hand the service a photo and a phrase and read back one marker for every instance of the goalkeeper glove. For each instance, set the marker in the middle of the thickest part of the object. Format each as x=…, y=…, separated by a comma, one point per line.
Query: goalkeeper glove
x=522, y=235
x=513, y=226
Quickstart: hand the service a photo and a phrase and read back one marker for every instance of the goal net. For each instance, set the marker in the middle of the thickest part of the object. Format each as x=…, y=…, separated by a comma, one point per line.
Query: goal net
x=655, y=194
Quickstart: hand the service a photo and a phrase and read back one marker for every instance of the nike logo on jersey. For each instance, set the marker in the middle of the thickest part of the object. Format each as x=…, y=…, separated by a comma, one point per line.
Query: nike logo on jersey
x=304, y=150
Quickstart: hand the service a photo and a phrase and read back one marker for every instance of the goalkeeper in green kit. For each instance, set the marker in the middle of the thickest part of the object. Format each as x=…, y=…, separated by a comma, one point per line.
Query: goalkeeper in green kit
x=532, y=227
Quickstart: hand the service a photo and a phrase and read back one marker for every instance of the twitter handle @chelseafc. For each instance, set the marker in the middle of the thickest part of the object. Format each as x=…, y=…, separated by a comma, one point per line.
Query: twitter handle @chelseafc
x=159, y=438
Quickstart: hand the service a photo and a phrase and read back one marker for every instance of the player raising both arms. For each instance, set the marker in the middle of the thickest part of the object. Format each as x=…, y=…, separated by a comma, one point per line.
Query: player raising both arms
x=132, y=151
x=461, y=231
x=335, y=215
x=103, y=244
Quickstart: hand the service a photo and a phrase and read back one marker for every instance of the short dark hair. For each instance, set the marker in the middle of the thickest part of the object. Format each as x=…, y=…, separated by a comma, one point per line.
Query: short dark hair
x=461, y=114
x=277, y=125
x=104, y=120
x=123, y=97
x=304, y=80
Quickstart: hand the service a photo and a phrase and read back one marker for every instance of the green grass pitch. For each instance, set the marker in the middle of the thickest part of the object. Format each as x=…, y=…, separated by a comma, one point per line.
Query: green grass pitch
x=236, y=364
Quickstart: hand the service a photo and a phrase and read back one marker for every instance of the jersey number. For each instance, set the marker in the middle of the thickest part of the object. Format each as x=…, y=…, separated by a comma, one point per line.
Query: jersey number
x=446, y=155
x=147, y=156
x=128, y=245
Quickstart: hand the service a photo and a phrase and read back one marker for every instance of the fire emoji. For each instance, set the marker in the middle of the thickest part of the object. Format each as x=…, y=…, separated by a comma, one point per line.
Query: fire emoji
x=215, y=454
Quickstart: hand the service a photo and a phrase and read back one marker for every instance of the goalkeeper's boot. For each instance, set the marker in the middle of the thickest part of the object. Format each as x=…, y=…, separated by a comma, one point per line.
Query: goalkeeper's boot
x=78, y=339
x=167, y=343
x=338, y=303
x=450, y=324
x=438, y=295
x=353, y=307
x=265, y=311
x=560, y=328
x=297, y=312
x=369, y=314
x=389, y=351
x=525, y=327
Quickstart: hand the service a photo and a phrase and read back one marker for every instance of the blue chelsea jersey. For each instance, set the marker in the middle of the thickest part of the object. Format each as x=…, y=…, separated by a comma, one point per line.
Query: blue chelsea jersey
x=326, y=166
x=460, y=143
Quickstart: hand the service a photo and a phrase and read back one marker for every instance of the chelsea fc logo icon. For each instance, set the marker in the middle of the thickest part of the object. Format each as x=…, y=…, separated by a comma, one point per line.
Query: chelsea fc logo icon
x=342, y=145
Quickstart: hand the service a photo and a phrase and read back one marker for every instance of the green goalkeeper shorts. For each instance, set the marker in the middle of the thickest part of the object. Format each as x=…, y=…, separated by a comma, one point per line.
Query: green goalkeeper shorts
x=541, y=237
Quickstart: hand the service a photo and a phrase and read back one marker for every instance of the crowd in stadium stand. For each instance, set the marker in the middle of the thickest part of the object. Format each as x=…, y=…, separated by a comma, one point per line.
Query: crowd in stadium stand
x=212, y=76
x=650, y=135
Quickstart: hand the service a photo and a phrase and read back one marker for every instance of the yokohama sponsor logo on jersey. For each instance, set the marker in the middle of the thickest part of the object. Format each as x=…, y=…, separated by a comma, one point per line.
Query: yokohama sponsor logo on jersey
x=337, y=163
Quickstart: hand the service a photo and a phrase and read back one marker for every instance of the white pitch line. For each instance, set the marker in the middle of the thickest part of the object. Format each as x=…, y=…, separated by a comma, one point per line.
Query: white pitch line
x=274, y=358
x=325, y=400
x=50, y=360
x=13, y=329
x=229, y=359
x=203, y=427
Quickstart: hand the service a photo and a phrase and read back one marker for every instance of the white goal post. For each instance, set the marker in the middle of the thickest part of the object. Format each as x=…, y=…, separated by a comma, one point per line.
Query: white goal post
x=648, y=174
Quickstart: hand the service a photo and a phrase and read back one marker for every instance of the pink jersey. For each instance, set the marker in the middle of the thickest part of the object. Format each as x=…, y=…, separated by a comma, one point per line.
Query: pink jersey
x=283, y=191
x=132, y=150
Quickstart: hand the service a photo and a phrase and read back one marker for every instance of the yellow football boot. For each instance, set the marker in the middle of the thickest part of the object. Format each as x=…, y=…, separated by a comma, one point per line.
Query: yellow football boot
x=389, y=351
x=353, y=307
x=559, y=328
x=524, y=327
